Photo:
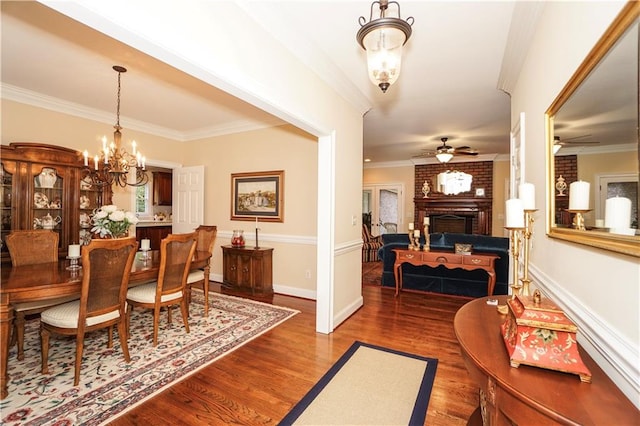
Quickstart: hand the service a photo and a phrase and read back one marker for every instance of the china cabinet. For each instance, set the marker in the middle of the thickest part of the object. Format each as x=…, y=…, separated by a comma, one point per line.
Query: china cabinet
x=43, y=187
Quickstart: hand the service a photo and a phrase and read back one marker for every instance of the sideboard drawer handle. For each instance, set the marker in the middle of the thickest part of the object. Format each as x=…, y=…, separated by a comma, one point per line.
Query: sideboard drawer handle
x=409, y=256
x=476, y=261
x=441, y=259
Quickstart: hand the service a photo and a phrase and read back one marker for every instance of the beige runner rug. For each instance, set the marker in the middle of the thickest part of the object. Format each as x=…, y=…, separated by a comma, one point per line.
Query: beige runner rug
x=369, y=385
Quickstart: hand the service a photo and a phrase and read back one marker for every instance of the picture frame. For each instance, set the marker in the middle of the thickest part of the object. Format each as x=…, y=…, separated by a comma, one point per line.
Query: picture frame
x=462, y=248
x=517, y=156
x=258, y=196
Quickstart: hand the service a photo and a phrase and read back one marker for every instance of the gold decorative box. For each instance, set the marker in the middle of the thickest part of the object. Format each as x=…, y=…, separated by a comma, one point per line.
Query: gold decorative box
x=537, y=333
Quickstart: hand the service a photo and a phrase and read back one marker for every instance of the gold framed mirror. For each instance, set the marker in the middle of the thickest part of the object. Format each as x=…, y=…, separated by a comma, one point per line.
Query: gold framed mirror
x=592, y=133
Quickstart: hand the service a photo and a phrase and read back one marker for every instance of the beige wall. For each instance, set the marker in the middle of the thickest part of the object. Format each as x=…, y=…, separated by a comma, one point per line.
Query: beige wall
x=598, y=289
x=278, y=148
x=406, y=175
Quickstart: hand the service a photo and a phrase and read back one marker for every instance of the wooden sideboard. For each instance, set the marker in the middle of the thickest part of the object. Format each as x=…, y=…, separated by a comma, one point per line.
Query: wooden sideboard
x=248, y=268
x=447, y=259
x=529, y=395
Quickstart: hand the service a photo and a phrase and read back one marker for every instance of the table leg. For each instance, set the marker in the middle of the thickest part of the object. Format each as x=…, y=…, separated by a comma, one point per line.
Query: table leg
x=492, y=282
x=397, y=274
x=205, y=288
x=6, y=319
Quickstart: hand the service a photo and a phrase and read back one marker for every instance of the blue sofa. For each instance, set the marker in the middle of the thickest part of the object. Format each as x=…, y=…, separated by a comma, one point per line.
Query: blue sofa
x=442, y=280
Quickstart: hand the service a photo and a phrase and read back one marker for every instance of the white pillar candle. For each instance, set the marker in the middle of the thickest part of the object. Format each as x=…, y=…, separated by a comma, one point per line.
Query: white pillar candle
x=426, y=221
x=515, y=213
x=416, y=233
x=579, y=195
x=145, y=244
x=617, y=213
x=74, y=250
x=410, y=226
x=256, y=222
x=527, y=193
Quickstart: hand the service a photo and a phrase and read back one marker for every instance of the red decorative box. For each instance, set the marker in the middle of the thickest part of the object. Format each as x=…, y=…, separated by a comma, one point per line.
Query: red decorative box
x=538, y=333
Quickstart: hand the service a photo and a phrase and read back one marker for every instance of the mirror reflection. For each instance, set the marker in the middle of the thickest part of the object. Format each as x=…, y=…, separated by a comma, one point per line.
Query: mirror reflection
x=593, y=147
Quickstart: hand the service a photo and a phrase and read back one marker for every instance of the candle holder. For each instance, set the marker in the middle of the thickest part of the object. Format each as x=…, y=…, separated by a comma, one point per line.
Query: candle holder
x=427, y=239
x=145, y=253
x=257, y=245
x=527, y=233
x=578, y=220
x=515, y=238
x=413, y=243
x=73, y=266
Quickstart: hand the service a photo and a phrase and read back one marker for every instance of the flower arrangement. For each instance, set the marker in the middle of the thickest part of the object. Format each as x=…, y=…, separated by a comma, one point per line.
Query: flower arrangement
x=111, y=221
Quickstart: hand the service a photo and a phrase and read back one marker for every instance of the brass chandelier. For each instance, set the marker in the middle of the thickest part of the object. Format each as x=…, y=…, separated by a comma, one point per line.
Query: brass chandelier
x=113, y=164
x=383, y=38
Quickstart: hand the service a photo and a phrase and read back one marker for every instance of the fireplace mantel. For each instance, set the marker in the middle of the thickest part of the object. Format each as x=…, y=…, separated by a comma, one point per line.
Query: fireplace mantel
x=477, y=207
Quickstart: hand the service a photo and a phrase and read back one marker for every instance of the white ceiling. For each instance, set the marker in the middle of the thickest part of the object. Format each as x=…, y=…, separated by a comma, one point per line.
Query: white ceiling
x=452, y=68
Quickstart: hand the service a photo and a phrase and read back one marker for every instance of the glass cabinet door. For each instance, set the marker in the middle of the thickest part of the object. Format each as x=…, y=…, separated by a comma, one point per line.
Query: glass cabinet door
x=90, y=199
x=6, y=201
x=47, y=204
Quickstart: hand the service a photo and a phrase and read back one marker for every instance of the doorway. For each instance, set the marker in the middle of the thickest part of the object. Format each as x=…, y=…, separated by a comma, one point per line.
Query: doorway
x=617, y=185
x=382, y=208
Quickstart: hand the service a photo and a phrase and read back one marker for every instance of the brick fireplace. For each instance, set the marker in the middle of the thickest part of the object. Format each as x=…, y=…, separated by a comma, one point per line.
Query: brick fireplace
x=463, y=213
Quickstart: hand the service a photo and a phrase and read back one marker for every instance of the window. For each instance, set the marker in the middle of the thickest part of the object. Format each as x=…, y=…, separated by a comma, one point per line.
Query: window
x=142, y=200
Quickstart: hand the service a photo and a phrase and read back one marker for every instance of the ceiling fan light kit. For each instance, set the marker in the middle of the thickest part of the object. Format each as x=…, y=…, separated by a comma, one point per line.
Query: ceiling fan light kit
x=383, y=38
x=444, y=157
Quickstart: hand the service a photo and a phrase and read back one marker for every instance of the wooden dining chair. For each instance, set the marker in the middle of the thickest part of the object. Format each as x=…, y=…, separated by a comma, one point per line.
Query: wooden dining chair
x=106, y=266
x=176, y=254
x=30, y=247
x=206, y=238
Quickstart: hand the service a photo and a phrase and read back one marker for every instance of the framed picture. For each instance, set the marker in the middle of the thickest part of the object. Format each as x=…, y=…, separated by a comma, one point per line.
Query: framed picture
x=258, y=195
x=517, y=156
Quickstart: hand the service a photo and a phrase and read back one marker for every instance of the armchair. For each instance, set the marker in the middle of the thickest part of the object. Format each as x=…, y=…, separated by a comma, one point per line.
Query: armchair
x=370, y=245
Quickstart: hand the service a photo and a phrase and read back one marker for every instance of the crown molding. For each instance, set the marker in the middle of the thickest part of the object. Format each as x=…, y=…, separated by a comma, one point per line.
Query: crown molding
x=523, y=24
x=28, y=97
x=421, y=161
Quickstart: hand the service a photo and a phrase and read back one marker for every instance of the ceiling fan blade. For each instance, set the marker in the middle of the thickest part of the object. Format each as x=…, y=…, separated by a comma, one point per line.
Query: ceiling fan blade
x=461, y=148
x=575, y=137
x=578, y=143
x=466, y=153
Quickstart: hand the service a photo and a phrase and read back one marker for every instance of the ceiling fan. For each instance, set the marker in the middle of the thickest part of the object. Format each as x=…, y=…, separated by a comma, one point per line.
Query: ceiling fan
x=559, y=142
x=446, y=152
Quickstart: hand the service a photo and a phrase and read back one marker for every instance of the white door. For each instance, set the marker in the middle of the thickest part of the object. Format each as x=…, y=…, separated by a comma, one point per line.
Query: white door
x=188, y=198
x=384, y=205
x=617, y=185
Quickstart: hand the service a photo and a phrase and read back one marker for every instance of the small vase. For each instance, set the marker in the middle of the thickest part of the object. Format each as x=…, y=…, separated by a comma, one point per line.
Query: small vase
x=237, y=239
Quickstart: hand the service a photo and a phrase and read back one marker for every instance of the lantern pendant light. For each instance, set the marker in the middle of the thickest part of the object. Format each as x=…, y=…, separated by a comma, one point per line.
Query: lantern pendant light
x=383, y=39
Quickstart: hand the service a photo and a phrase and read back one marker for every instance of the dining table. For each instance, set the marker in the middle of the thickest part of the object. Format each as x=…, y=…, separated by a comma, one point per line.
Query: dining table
x=44, y=281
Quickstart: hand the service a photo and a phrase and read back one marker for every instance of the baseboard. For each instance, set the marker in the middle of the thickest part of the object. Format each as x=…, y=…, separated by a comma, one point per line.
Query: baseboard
x=617, y=356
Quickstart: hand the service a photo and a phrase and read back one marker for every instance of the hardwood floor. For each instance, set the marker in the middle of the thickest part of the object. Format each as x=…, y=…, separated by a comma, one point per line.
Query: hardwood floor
x=259, y=383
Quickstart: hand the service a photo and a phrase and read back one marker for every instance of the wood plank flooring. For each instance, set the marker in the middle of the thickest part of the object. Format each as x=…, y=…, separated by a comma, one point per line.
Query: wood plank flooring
x=259, y=383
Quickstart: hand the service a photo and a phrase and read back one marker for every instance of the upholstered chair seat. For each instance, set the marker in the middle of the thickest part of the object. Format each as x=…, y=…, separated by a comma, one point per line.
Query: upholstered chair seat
x=146, y=293
x=67, y=314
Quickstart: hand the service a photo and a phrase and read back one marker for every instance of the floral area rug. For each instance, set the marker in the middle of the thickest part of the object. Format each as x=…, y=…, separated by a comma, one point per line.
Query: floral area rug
x=108, y=385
